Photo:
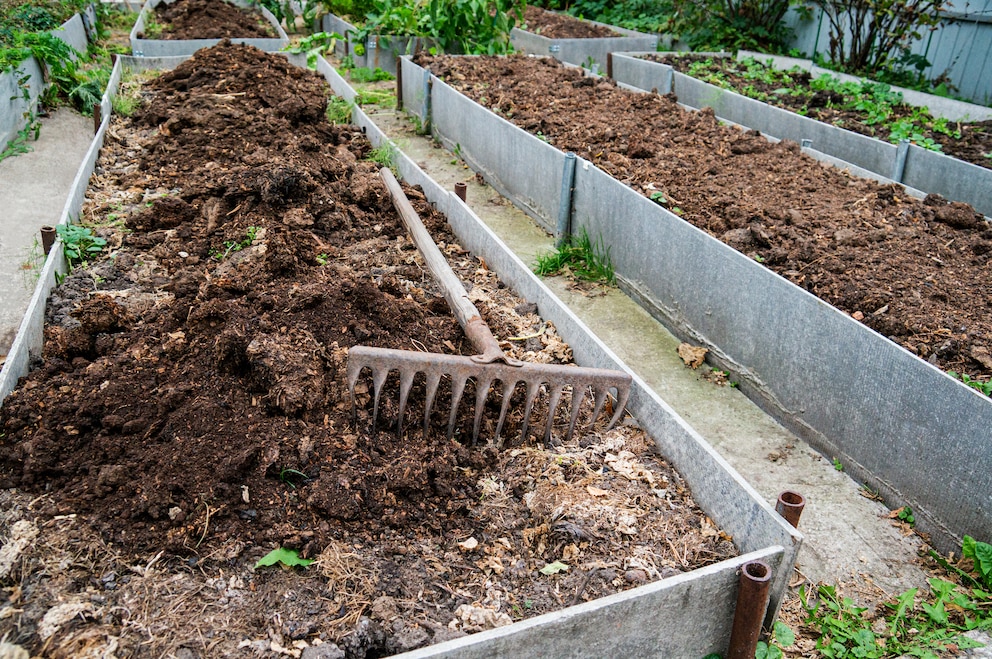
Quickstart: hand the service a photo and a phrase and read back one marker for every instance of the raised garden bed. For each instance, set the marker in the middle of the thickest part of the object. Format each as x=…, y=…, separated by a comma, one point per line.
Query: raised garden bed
x=915, y=166
x=22, y=86
x=184, y=26
x=194, y=413
x=829, y=233
x=574, y=40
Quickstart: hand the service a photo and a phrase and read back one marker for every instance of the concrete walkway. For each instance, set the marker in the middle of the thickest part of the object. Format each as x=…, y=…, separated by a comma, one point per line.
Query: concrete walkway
x=33, y=190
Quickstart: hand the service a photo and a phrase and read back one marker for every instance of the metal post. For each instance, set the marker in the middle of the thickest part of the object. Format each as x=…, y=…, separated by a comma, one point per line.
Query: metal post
x=564, y=228
x=399, y=84
x=97, y=117
x=461, y=190
x=790, y=506
x=752, y=600
x=609, y=65
x=428, y=83
x=899, y=167
x=47, y=238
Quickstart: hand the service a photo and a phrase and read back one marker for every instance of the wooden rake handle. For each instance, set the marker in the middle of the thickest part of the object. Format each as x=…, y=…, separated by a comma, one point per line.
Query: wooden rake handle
x=468, y=316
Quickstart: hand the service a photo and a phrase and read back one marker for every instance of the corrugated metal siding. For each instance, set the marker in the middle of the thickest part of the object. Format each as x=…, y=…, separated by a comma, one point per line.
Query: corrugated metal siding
x=961, y=46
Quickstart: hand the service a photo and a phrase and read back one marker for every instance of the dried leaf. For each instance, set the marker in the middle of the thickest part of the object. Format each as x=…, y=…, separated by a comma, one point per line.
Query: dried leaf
x=554, y=568
x=595, y=491
x=469, y=545
x=693, y=356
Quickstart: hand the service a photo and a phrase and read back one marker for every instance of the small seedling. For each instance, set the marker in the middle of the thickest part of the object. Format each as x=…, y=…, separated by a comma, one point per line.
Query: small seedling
x=984, y=387
x=905, y=514
x=838, y=465
x=287, y=476
x=323, y=259
x=658, y=198
x=782, y=637
x=232, y=246
x=287, y=557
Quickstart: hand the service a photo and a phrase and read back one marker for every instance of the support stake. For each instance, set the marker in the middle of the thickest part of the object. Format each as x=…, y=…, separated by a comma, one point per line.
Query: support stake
x=609, y=65
x=461, y=190
x=399, y=84
x=47, y=238
x=428, y=84
x=790, y=506
x=752, y=600
x=564, y=227
x=97, y=117
x=899, y=168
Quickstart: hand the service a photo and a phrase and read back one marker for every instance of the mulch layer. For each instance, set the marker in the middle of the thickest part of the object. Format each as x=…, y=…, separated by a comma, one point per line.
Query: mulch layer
x=554, y=25
x=974, y=145
x=916, y=271
x=211, y=19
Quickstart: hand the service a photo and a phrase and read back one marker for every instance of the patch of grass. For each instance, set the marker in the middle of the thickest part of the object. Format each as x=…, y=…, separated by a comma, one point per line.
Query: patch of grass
x=579, y=257
x=339, y=110
x=154, y=29
x=385, y=154
x=381, y=97
x=364, y=74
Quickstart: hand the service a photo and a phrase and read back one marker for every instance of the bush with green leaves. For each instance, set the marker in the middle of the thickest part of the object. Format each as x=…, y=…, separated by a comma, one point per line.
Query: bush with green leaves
x=868, y=36
x=476, y=27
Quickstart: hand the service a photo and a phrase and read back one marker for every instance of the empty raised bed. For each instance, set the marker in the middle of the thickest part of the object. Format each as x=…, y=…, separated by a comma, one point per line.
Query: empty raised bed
x=961, y=173
x=191, y=410
x=823, y=231
x=575, y=41
x=182, y=27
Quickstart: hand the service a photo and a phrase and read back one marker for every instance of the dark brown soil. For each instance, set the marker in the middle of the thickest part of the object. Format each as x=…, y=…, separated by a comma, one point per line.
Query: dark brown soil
x=191, y=412
x=553, y=25
x=974, y=145
x=916, y=271
x=211, y=19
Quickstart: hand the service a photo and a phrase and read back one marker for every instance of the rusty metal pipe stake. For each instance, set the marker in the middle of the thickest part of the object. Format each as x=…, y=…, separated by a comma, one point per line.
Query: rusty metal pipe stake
x=399, y=83
x=47, y=238
x=790, y=506
x=97, y=117
x=752, y=600
x=609, y=65
x=461, y=190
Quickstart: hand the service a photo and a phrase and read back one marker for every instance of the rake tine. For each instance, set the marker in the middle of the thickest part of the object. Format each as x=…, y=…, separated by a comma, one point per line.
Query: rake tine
x=481, y=391
x=623, y=393
x=601, y=394
x=457, y=388
x=433, y=379
x=552, y=406
x=508, y=387
x=532, y=388
x=578, y=395
x=378, y=379
x=406, y=383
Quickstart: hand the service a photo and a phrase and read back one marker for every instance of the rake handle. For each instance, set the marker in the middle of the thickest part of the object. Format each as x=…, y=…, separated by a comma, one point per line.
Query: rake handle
x=468, y=316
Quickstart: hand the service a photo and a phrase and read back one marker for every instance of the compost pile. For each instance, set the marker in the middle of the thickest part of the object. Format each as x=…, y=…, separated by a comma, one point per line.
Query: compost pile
x=562, y=26
x=917, y=271
x=974, y=145
x=191, y=413
x=211, y=19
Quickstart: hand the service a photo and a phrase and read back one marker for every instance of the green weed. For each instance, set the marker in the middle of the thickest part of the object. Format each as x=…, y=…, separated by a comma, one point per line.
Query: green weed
x=19, y=144
x=79, y=243
x=364, y=74
x=315, y=45
x=339, y=110
x=231, y=246
x=381, y=97
x=385, y=154
x=838, y=465
x=979, y=385
x=579, y=257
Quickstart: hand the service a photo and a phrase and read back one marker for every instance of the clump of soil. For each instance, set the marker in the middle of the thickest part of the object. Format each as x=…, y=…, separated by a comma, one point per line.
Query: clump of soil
x=211, y=19
x=192, y=413
x=974, y=145
x=914, y=270
x=553, y=25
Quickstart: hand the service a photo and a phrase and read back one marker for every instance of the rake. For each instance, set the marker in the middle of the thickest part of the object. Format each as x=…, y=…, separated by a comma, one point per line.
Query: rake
x=487, y=367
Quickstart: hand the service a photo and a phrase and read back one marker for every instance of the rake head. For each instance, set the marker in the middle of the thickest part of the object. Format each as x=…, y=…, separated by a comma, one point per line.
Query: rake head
x=383, y=361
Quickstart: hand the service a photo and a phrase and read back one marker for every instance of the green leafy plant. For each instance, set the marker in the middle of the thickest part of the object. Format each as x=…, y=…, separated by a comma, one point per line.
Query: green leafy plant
x=905, y=514
x=363, y=74
x=19, y=143
x=339, y=110
x=838, y=465
x=381, y=97
x=578, y=256
x=385, y=155
x=979, y=385
x=314, y=46
x=288, y=557
x=781, y=637
x=981, y=554
x=79, y=243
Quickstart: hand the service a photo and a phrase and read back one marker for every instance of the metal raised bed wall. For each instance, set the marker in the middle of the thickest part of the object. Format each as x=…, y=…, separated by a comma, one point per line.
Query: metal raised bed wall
x=689, y=614
x=888, y=416
x=180, y=47
x=20, y=102
x=579, y=51
x=908, y=164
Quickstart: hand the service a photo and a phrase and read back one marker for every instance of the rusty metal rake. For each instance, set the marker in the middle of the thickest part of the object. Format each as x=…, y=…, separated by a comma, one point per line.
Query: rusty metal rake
x=486, y=368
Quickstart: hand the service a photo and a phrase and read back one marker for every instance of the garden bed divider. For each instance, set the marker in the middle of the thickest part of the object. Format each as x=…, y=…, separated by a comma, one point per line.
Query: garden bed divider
x=141, y=47
x=908, y=164
x=689, y=614
x=591, y=53
x=896, y=423
x=16, y=109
